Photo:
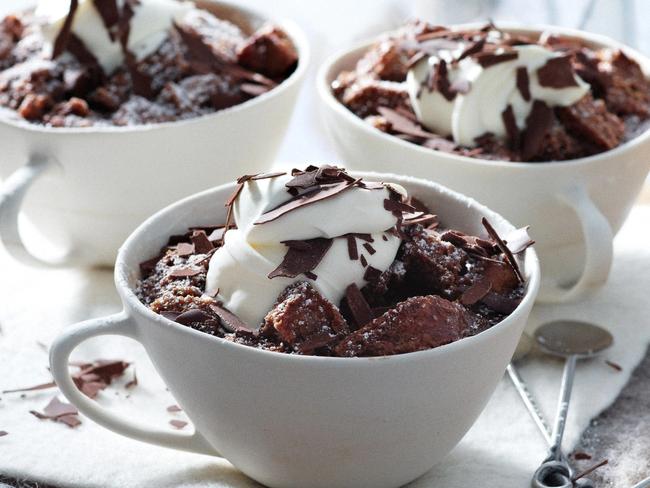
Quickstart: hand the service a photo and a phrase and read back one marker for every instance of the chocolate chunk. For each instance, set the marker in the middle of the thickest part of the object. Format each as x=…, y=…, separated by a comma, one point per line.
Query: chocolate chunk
x=490, y=58
x=268, y=51
x=538, y=123
x=508, y=117
x=371, y=274
x=358, y=305
x=364, y=261
x=523, y=83
x=229, y=320
x=589, y=119
x=368, y=247
x=193, y=316
x=413, y=325
x=302, y=256
x=557, y=73
x=304, y=320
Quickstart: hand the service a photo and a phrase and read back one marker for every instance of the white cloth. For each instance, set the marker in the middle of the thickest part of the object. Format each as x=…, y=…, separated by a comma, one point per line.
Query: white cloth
x=502, y=448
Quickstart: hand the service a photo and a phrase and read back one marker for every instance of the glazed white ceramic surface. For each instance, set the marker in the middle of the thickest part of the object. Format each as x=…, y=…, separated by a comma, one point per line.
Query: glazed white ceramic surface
x=86, y=189
x=301, y=421
x=574, y=207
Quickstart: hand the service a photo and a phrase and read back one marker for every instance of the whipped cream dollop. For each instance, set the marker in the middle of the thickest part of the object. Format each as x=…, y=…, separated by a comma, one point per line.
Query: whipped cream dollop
x=273, y=220
x=97, y=27
x=466, y=96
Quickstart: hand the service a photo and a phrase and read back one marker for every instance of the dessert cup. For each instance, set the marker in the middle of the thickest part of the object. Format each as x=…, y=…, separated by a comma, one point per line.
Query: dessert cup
x=574, y=208
x=86, y=189
x=306, y=421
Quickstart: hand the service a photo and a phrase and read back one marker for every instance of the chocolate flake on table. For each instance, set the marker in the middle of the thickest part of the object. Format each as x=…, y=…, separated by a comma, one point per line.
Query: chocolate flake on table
x=62, y=38
x=98, y=375
x=538, y=123
x=42, y=386
x=174, y=408
x=510, y=259
x=508, y=116
x=3, y=433
x=614, y=365
x=353, y=250
x=581, y=456
x=301, y=257
x=358, y=305
x=402, y=124
x=557, y=73
x=489, y=58
x=178, y=424
x=229, y=320
x=59, y=412
x=519, y=240
x=523, y=83
x=590, y=470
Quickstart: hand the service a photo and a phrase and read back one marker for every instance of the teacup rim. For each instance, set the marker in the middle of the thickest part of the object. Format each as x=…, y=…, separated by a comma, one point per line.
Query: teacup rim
x=133, y=305
x=327, y=97
x=296, y=34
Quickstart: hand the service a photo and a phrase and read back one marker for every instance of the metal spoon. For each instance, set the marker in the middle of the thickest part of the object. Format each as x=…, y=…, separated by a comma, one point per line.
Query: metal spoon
x=570, y=340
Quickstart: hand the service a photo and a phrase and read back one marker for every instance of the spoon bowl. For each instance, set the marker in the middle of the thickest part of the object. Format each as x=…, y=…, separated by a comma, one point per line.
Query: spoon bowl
x=565, y=338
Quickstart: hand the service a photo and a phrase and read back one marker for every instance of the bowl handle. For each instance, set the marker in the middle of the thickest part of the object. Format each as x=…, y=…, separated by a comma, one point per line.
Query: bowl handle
x=118, y=324
x=12, y=192
x=599, y=247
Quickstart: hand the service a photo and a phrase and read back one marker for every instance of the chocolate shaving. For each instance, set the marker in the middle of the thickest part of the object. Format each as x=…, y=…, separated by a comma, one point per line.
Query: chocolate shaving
x=3, y=433
x=184, y=249
x=109, y=13
x=358, y=305
x=313, y=196
x=500, y=303
x=364, y=261
x=613, y=365
x=310, y=275
x=184, y=272
x=59, y=412
x=133, y=382
x=353, y=250
x=402, y=124
x=523, y=83
x=439, y=80
x=177, y=424
x=313, y=176
x=504, y=249
x=371, y=274
x=193, y=316
x=487, y=59
x=397, y=206
x=518, y=240
x=538, y=123
x=174, y=408
x=557, y=73
x=202, y=244
x=63, y=37
x=589, y=470
x=581, y=456
x=508, y=117
x=301, y=257
x=476, y=292
x=79, y=50
x=229, y=320
x=368, y=247
x=42, y=386
x=474, y=48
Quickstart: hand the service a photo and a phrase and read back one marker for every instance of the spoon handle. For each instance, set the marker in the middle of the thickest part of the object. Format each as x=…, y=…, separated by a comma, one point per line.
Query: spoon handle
x=563, y=406
x=529, y=402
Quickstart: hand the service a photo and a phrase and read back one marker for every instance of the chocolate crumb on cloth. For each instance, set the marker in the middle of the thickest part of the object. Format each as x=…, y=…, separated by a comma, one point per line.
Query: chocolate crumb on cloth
x=204, y=64
x=443, y=285
x=615, y=109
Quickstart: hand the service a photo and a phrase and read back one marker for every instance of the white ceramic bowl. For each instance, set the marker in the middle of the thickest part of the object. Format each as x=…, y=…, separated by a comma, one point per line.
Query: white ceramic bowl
x=305, y=421
x=574, y=207
x=90, y=187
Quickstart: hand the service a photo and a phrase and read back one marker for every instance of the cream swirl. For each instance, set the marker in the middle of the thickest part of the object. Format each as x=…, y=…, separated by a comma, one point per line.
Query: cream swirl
x=240, y=269
x=483, y=92
x=148, y=27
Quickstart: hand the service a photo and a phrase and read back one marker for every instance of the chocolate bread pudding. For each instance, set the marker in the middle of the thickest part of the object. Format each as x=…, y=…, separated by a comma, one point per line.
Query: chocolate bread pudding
x=489, y=94
x=80, y=63
x=317, y=262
